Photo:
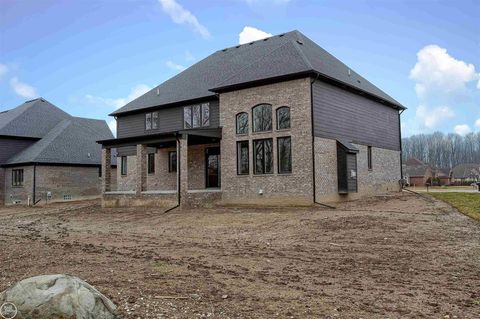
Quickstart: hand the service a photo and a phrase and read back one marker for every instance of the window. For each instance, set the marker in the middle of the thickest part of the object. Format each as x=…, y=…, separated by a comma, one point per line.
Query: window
x=262, y=118
x=151, y=163
x=263, y=155
x=67, y=197
x=17, y=177
x=148, y=121
x=283, y=118
x=242, y=158
x=123, y=165
x=369, y=157
x=284, y=152
x=242, y=123
x=196, y=116
x=172, y=161
x=100, y=172
x=154, y=120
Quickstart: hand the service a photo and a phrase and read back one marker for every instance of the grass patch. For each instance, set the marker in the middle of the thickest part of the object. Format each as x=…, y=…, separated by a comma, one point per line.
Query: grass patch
x=467, y=203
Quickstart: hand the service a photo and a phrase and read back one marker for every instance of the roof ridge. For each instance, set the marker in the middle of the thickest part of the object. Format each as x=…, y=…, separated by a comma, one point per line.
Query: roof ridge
x=260, y=58
x=279, y=35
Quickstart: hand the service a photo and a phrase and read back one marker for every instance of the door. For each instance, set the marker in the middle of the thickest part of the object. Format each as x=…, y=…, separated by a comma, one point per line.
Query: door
x=212, y=161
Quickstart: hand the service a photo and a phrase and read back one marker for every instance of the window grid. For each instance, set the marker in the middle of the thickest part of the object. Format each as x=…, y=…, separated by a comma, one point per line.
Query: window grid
x=17, y=177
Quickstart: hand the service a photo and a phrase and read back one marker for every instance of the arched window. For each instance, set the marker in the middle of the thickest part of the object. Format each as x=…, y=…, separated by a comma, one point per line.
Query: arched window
x=283, y=118
x=262, y=118
x=242, y=123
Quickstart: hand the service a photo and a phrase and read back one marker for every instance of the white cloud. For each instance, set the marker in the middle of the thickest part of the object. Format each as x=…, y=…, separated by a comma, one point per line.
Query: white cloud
x=250, y=34
x=462, y=129
x=432, y=118
x=267, y=1
x=436, y=72
x=136, y=91
x=181, y=15
x=3, y=70
x=112, y=125
x=23, y=89
x=477, y=123
x=175, y=66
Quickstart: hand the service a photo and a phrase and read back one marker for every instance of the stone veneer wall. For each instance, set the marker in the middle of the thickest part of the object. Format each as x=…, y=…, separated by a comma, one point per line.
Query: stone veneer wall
x=2, y=186
x=383, y=177
x=79, y=182
x=278, y=189
x=126, y=182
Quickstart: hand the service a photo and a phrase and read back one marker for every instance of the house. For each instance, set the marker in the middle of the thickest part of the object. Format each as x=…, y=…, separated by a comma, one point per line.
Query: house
x=466, y=173
x=47, y=154
x=416, y=172
x=443, y=176
x=276, y=121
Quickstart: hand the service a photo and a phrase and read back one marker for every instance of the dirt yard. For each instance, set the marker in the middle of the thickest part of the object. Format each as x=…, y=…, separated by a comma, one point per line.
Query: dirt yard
x=391, y=257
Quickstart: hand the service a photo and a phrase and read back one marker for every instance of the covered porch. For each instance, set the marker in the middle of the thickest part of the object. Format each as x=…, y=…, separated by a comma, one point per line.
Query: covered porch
x=166, y=169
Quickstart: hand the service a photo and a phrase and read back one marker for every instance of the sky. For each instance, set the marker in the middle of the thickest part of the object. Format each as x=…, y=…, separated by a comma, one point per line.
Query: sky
x=90, y=57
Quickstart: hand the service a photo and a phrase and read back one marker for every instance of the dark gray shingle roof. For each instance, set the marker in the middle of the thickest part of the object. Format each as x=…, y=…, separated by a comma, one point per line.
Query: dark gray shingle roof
x=281, y=55
x=33, y=118
x=467, y=171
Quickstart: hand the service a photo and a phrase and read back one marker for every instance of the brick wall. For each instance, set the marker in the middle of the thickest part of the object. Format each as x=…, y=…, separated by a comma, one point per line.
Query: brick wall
x=278, y=189
x=78, y=182
x=381, y=179
x=162, y=179
x=126, y=182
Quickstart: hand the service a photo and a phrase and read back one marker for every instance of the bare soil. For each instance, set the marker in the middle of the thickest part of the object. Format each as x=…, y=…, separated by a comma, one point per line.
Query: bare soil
x=399, y=256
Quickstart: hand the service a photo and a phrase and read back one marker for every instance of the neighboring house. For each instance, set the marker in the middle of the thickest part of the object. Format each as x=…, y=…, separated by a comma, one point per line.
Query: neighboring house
x=443, y=175
x=45, y=152
x=276, y=121
x=417, y=175
x=466, y=173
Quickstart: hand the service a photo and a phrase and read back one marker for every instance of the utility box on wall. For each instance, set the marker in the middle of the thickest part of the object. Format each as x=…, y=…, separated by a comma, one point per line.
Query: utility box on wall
x=347, y=167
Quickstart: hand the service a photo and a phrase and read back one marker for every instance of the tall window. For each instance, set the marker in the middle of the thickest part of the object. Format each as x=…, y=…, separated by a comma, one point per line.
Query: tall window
x=151, y=121
x=242, y=123
x=123, y=165
x=262, y=118
x=263, y=155
x=196, y=116
x=151, y=163
x=283, y=118
x=284, y=152
x=369, y=157
x=172, y=161
x=242, y=158
x=17, y=177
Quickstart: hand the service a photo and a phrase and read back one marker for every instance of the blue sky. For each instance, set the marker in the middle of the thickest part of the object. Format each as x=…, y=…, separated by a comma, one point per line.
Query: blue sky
x=90, y=57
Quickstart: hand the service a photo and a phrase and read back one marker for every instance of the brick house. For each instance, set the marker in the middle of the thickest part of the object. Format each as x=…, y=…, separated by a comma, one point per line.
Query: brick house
x=45, y=152
x=275, y=121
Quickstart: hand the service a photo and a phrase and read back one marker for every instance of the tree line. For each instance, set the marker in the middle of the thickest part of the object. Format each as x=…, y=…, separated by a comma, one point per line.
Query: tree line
x=443, y=150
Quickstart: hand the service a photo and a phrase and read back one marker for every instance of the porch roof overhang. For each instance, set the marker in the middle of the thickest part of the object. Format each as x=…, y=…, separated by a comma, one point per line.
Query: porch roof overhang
x=159, y=138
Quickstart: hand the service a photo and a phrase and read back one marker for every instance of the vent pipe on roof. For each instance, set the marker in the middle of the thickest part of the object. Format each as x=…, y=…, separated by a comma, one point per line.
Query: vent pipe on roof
x=349, y=72
x=158, y=91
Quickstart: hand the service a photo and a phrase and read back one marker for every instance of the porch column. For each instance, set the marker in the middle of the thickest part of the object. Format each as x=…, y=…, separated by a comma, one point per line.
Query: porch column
x=141, y=169
x=183, y=167
x=106, y=169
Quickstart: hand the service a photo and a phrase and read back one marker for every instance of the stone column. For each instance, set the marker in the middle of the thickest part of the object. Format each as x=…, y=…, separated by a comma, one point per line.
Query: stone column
x=141, y=171
x=106, y=170
x=183, y=167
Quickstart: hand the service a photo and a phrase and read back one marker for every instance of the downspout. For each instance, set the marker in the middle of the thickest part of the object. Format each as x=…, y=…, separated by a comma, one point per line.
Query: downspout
x=401, y=148
x=313, y=146
x=179, y=198
x=34, y=184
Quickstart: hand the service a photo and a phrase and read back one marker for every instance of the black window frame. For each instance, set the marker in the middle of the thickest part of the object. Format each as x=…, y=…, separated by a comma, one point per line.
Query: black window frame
x=279, y=164
x=289, y=118
x=244, y=114
x=147, y=116
x=254, y=127
x=369, y=158
x=264, y=164
x=123, y=166
x=202, y=122
x=155, y=121
x=172, y=164
x=17, y=177
x=239, y=164
x=151, y=163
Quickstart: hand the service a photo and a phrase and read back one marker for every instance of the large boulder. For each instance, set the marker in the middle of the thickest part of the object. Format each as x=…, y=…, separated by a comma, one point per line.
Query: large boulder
x=58, y=297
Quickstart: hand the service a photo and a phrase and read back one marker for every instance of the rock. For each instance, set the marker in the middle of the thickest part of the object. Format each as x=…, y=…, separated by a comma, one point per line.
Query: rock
x=58, y=296
x=224, y=296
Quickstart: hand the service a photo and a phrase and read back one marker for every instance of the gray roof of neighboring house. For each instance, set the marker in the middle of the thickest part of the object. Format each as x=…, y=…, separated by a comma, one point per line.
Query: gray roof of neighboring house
x=72, y=140
x=470, y=170
x=416, y=170
x=33, y=118
x=282, y=55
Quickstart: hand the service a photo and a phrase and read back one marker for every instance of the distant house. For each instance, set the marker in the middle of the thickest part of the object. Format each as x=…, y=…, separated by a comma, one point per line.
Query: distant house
x=466, y=173
x=277, y=121
x=47, y=154
x=443, y=175
x=417, y=172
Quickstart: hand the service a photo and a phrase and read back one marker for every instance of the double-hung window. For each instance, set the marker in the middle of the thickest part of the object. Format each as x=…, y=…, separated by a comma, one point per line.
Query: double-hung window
x=196, y=116
x=17, y=177
x=151, y=121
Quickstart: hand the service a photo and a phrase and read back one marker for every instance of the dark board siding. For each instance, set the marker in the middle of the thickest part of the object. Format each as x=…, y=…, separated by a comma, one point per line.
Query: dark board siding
x=171, y=119
x=340, y=114
x=10, y=147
